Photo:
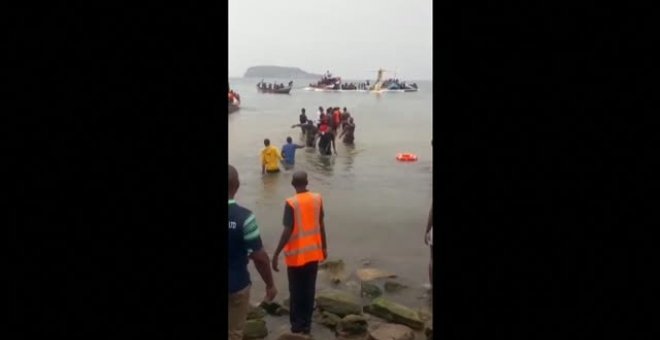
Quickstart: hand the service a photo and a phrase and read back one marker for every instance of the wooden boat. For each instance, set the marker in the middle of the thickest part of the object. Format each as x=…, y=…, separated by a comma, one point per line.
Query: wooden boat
x=283, y=90
x=233, y=108
x=234, y=102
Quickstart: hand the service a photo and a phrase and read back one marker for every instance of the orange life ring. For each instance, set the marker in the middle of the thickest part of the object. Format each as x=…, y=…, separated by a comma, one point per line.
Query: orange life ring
x=406, y=157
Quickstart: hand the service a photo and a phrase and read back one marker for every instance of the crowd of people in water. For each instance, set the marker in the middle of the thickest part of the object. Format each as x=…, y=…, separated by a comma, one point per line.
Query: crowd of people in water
x=272, y=86
x=322, y=131
x=325, y=129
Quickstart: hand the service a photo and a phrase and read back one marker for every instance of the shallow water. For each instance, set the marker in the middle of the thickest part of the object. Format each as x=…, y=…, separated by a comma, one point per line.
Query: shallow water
x=375, y=207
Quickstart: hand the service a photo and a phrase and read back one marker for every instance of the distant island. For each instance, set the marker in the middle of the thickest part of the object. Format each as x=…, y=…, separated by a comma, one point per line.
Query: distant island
x=278, y=72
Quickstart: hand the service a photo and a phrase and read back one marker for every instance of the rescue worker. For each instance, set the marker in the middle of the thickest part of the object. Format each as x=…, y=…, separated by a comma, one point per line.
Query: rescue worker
x=304, y=243
x=319, y=113
x=289, y=153
x=327, y=143
x=348, y=131
x=310, y=132
x=270, y=158
x=243, y=244
x=336, y=119
x=303, y=119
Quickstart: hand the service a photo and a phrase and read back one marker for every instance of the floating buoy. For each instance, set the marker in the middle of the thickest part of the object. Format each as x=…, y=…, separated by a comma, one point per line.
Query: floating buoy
x=406, y=157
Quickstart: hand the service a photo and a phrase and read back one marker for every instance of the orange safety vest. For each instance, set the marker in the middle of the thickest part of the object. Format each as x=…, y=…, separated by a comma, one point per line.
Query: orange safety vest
x=305, y=244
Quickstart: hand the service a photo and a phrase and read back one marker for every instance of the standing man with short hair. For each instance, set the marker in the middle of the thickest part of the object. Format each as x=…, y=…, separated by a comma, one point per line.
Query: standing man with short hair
x=303, y=120
x=289, y=152
x=304, y=243
x=270, y=158
x=243, y=243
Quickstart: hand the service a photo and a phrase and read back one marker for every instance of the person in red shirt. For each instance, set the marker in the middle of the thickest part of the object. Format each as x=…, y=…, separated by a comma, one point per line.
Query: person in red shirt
x=323, y=127
x=336, y=117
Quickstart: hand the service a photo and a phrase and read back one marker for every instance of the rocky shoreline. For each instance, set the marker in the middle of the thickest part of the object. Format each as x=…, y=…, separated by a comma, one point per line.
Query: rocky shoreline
x=358, y=314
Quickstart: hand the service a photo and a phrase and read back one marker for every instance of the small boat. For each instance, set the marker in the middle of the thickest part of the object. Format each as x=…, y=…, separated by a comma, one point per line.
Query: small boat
x=327, y=83
x=233, y=107
x=234, y=101
x=274, y=88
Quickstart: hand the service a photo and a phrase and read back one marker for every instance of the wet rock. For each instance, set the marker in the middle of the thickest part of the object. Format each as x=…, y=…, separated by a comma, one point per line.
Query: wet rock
x=255, y=329
x=395, y=313
x=337, y=302
x=327, y=319
x=352, y=325
x=332, y=264
x=391, y=331
x=370, y=290
x=368, y=274
x=334, y=269
x=425, y=315
x=293, y=336
x=255, y=312
x=274, y=308
x=393, y=286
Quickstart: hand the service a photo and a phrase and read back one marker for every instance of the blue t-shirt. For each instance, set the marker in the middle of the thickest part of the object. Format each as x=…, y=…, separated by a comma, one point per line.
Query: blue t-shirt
x=242, y=239
x=289, y=153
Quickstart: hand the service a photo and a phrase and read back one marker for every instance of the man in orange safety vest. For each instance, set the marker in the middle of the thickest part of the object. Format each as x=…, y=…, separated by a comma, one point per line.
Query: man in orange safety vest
x=304, y=244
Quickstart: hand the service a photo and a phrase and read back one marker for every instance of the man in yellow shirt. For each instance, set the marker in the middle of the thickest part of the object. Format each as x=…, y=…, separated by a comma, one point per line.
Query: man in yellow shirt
x=270, y=158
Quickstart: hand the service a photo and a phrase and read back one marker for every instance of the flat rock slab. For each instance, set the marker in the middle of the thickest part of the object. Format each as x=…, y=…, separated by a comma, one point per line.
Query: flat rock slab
x=339, y=303
x=390, y=331
x=334, y=269
x=368, y=274
x=370, y=290
x=395, y=313
x=393, y=286
x=326, y=319
x=352, y=325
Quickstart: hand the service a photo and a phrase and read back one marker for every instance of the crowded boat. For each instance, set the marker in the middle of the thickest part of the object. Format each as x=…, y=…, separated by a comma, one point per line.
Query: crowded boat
x=332, y=83
x=276, y=88
x=234, y=101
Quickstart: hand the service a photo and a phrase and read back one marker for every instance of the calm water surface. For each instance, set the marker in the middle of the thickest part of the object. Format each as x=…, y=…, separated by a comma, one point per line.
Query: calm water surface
x=375, y=206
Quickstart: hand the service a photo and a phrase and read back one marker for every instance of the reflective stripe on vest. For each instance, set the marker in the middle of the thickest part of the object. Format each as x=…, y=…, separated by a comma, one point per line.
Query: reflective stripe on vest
x=305, y=242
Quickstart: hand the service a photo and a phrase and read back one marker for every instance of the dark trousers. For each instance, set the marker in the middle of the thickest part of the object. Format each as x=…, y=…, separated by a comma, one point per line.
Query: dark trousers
x=302, y=288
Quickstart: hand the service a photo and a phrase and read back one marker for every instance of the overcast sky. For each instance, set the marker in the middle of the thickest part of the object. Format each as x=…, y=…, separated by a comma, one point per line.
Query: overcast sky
x=351, y=38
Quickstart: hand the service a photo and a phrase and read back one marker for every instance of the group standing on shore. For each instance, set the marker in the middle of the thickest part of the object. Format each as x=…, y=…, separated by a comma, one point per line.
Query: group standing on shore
x=303, y=242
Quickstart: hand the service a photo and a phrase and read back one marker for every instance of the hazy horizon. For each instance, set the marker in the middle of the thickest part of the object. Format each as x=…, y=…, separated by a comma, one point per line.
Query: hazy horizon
x=362, y=36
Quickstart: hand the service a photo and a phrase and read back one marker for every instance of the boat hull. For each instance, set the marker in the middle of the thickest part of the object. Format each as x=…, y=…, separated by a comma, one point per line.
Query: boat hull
x=233, y=108
x=286, y=90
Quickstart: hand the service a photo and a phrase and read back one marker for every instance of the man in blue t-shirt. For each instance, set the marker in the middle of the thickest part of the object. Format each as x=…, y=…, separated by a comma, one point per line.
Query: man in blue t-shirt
x=243, y=243
x=289, y=152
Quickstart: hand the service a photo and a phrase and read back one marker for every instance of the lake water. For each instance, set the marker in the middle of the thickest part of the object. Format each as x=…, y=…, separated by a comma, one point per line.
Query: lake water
x=375, y=206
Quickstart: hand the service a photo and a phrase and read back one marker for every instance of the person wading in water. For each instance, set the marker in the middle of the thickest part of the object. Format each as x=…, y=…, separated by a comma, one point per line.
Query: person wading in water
x=348, y=131
x=270, y=158
x=289, y=153
x=310, y=133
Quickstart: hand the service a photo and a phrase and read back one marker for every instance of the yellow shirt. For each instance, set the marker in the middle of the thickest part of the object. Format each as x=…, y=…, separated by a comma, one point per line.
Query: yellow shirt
x=271, y=157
